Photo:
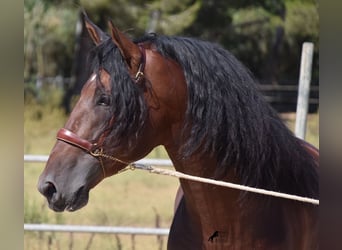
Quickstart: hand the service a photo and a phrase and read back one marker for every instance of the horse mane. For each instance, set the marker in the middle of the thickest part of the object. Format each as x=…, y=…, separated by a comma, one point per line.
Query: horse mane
x=226, y=115
x=229, y=118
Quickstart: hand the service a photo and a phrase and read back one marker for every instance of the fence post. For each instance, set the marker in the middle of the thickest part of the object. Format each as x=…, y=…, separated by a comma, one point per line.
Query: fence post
x=304, y=89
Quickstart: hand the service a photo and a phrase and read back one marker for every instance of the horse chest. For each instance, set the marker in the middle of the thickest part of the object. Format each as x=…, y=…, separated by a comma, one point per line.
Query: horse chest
x=211, y=228
x=214, y=210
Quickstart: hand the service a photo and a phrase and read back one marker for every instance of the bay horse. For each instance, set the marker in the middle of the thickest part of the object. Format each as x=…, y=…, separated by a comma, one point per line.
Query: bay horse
x=198, y=101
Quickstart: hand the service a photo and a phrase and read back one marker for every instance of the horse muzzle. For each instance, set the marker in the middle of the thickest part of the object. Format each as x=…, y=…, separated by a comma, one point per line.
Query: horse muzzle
x=59, y=201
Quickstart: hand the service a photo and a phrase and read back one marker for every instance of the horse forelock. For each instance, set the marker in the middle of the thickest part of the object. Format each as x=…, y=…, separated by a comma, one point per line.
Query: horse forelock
x=128, y=107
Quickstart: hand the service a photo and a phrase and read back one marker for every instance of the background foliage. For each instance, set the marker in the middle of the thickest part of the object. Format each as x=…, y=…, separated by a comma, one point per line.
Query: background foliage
x=266, y=35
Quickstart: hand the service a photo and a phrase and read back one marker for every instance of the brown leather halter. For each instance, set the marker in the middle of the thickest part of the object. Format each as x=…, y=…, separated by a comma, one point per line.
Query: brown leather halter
x=96, y=149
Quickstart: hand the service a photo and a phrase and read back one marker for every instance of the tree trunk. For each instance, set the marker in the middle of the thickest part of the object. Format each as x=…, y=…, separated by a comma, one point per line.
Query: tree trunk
x=81, y=65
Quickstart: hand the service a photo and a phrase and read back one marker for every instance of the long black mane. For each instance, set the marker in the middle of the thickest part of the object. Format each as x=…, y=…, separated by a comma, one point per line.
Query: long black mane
x=226, y=115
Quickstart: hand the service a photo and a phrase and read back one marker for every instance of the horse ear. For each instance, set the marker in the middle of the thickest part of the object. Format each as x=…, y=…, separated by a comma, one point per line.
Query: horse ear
x=96, y=34
x=129, y=50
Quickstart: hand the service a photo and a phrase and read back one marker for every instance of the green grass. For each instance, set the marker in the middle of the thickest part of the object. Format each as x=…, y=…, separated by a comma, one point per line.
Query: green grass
x=133, y=198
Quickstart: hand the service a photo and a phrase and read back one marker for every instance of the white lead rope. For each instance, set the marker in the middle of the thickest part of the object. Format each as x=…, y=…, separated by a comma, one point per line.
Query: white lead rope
x=220, y=183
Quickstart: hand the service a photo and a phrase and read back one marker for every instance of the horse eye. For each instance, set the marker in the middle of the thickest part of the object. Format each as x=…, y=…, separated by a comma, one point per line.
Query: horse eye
x=104, y=100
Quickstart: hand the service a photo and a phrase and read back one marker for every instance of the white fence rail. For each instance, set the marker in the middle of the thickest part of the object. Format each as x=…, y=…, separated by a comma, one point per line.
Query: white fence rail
x=158, y=162
x=98, y=229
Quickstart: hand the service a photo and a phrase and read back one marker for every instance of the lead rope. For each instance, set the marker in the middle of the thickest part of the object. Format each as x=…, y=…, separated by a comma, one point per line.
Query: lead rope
x=225, y=184
x=173, y=173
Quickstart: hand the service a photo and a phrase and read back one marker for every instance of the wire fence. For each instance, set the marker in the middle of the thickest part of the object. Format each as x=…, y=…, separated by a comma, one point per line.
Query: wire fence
x=97, y=229
x=158, y=162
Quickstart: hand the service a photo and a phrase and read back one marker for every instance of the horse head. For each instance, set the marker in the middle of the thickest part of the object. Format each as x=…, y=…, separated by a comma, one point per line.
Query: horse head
x=126, y=108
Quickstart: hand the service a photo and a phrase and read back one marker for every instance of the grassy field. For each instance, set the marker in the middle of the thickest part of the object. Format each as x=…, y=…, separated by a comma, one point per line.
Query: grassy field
x=132, y=198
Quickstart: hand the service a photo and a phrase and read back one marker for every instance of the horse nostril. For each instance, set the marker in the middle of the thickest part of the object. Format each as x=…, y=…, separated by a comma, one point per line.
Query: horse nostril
x=48, y=190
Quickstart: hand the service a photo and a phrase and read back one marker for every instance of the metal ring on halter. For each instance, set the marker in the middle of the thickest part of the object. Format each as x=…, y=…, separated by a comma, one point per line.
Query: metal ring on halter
x=97, y=152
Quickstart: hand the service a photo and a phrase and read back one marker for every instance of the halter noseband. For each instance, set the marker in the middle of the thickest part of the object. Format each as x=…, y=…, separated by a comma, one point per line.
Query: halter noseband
x=96, y=149
x=67, y=136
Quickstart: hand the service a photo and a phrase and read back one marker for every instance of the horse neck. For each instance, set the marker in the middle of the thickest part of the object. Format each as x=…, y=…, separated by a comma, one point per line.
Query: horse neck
x=201, y=165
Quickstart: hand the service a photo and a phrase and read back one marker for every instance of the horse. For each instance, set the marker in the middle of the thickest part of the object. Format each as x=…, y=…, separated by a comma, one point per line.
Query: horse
x=203, y=105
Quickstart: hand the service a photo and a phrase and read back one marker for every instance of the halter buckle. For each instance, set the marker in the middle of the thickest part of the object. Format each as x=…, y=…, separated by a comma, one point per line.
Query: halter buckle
x=138, y=75
x=141, y=68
